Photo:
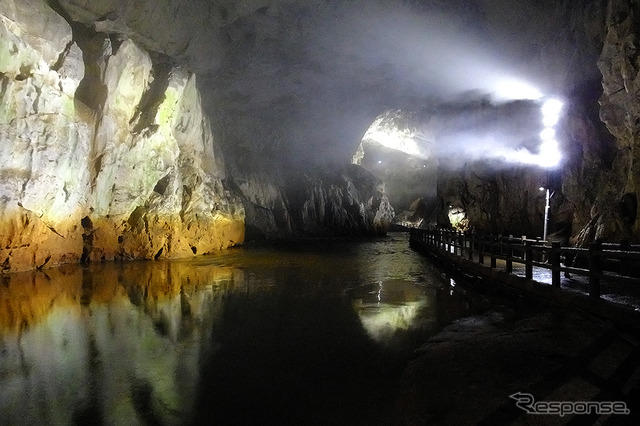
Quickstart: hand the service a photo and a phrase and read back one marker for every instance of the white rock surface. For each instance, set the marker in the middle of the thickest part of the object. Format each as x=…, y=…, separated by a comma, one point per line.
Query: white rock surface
x=113, y=161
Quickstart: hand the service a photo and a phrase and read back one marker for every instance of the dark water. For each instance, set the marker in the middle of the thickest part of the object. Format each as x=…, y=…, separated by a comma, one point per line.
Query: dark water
x=299, y=333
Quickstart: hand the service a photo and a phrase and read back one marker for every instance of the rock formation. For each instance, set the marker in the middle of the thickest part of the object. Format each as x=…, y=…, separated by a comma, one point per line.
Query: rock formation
x=596, y=189
x=614, y=212
x=397, y=151
x=142, y=129
x=107, y=153
x=346, y=202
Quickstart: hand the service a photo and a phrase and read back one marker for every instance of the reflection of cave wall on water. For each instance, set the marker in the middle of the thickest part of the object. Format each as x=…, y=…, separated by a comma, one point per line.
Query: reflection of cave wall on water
x=121, y=341
x=27, y=298
x=252, y=328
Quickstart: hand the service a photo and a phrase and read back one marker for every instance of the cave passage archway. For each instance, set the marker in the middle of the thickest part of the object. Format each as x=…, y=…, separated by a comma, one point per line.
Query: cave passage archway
x=398, y=148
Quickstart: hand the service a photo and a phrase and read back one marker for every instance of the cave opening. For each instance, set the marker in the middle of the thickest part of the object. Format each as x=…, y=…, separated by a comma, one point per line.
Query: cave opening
x=426, y=157
x=398, y=148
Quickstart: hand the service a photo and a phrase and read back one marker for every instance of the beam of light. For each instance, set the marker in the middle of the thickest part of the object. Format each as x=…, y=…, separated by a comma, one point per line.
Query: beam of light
x=548, y=134
x=551, y=110
x=550, y=154
x=506, y=89
x=548, y=157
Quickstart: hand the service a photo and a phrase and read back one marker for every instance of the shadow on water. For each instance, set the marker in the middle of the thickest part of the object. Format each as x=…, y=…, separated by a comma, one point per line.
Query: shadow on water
x=311, y=333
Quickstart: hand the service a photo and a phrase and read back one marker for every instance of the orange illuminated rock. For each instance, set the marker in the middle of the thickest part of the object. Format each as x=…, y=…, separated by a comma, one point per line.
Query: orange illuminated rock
x=105, y=152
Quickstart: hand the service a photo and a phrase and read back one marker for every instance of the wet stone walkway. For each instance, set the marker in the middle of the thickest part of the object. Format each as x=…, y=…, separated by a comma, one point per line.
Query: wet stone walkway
x=480, y=369
x=619, y=293
x=534, y=357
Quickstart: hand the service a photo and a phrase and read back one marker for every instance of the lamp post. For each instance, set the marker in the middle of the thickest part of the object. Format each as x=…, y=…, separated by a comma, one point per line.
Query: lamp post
x=546, y=212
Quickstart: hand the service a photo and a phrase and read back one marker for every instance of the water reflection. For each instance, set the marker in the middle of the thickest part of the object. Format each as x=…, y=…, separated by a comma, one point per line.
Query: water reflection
x=386, y=308
x=299, y=334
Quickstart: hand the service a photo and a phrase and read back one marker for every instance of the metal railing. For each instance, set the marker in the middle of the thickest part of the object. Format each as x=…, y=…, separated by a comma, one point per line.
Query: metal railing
x=600, y=261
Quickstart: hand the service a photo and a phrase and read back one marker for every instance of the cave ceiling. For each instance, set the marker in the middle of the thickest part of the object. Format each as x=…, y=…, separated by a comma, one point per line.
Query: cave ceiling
x=301, y=81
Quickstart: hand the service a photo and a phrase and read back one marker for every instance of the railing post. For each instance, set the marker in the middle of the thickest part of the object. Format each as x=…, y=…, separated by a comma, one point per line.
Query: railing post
x=555, y=264
x=480, y=246
x=625, y=270
x=528, y=259
x=447, y=240
x=454, y=242
x=509, y=255
x=492, y=251
x=595, y=268
x=470, y=249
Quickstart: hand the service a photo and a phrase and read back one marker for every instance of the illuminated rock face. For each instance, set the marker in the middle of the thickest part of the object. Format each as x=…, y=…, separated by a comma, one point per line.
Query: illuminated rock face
x=504, y=201
x=614, y=212
x=397, y=151
x=105, y=151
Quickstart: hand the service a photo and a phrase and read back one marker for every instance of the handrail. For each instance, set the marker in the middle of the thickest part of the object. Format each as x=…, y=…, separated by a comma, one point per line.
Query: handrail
x=605, y=260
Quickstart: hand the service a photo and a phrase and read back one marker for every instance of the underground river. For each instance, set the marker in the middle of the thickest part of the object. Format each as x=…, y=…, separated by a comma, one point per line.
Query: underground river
x=310, y=332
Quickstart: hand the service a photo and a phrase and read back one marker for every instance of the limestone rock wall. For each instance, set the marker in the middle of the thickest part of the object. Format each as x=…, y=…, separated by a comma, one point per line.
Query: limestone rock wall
x=187, y=30
x=614, y=213
x=587, y=174
x=104, y=150
x=347, y=202
x=505, y=201
x=266, y=206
